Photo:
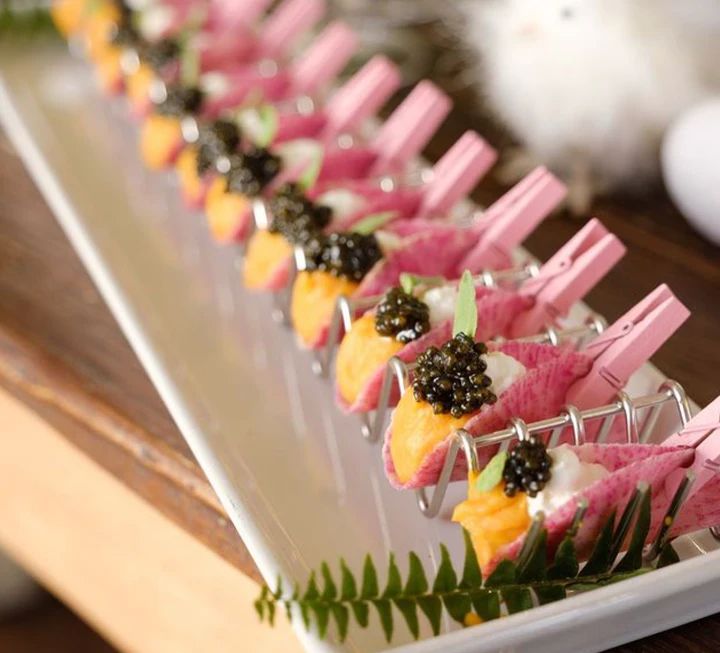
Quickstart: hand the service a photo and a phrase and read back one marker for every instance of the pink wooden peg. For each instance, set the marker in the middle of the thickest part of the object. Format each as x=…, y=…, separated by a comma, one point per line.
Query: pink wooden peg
x=324, y=59
x=231, y=14
x=456, y=173
x=361, y=96
x=625, y=345
x=410, y=127
x=512, y=218
x=291, y=19
x=571, y=273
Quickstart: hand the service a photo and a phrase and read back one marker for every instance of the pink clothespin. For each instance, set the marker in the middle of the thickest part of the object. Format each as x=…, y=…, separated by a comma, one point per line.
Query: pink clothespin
x=324, y=60
x=456, y=173
x=571, y=273
x=625, y=345
x=362, y=96
x=410, y=127
x=231, y=14
x=286, y=23
x=507, y=222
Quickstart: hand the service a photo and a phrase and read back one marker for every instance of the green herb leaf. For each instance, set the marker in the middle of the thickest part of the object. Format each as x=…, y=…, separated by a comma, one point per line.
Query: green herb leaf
x=632, y=559
x=668, y=556
x=566, y=563
x=311, y=593
x=457, y=606
x=312, y=170
x=517, y=599
x=535, y=567
x=270, y=120
x=329, y=588
x=486, y=604
x=465, y=307
x=369, y=583
x=492, y=474
x=384, y=610
x=371, y=223
x=549, y=593
x=322, y=617
x=341, y=616
x=408, y=281
x=417, y=581
x=600, y=560
x=394, y=582
x=431, y=607
x=505, y=574
x=472, y=576
x=348, y=587
x=362, y=613
x=408, y=610
x=446, y=578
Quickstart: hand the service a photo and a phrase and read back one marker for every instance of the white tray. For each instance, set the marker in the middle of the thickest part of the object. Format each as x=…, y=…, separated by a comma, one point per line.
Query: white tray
x=296, y=478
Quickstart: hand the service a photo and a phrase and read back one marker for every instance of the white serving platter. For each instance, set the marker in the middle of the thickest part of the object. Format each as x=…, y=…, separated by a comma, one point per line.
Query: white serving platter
x=295, y=477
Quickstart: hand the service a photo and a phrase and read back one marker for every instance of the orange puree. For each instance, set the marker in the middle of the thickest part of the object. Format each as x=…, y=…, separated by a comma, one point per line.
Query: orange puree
x=313, y=301
x=159, y=139
x=361, y=352
x=98, y=29
x=492, y=519
x=186, y=168
x=265, y=252
x=138, y=85
x=416, y=431
x=68, y=15
x=222, y=210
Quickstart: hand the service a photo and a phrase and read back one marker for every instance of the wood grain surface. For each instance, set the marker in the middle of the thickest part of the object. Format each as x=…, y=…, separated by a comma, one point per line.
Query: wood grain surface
x=62, y=353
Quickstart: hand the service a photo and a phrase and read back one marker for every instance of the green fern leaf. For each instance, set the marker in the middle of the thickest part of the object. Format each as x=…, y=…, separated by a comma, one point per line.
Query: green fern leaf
x=408, y=609
x=348, y=586
x=549, y=593
x=322, y=617
x=341, y=617
x=416, y=581
x=369, y=582
x=668, y=556
x=534, y=567
x=259, y=606
x=457, y=606
x=277, y=594
x=505, y=574
x=446, y=578
x=600, y=560
x=517, y=599
x=271, y=612
x=329, y=589
x=394, y=582
x=486, y=604
x=361, y=612
x=565, y=564
x=472, y=576
x=312, y=592
x=632, y=559
x=431, y=607
x=384, y=610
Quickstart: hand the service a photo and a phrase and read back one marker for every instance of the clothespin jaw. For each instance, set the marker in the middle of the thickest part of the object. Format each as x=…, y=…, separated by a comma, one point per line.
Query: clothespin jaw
x=410, y=127
x=291, y=19
x=324, y=59
x=361, y=96
x=236, y=13
x=456, y=173
x=702, y=433
x=508, y=221
x=628, y=343
x=565, y=279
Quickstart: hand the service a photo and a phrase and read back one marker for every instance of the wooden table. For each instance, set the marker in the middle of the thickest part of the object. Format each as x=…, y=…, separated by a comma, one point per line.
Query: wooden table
x=63, y=356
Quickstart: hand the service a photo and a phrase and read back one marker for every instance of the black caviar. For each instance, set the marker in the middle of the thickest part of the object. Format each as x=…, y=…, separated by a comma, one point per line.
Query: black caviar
x=124, y=32
x=180, y=100
x=296, y=217
x=527, y=468
x=216, y=139
x=349, y=255
x=452, y=378
x=402, y=316
x=251, y=171
x=160, y=53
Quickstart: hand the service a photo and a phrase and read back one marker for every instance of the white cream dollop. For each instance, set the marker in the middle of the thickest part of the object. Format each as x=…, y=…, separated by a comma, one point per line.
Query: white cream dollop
x=503, y=370
x=441, y=302
x=342, y=202
x=251, y=123
x=214, y=84
x=155, y=20
x=569, y=476
x=387, y=241
x=301, y=151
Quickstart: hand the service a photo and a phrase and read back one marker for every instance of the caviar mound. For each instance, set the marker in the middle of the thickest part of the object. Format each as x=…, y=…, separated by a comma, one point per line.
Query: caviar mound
x=219, y=138
x=296, y=217
x=527, y=468
x=402, y=316
x=250, y=172
x=452, y=378
x=349, y=255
